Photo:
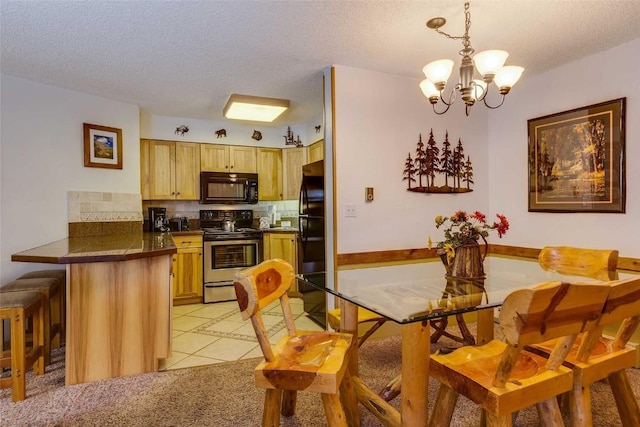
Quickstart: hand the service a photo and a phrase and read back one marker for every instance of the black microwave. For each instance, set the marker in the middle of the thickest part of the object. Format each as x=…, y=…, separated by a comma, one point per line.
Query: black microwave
x=222, y=187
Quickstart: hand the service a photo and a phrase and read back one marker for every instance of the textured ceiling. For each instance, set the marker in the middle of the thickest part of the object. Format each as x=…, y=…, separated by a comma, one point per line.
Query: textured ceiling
x=184, y=58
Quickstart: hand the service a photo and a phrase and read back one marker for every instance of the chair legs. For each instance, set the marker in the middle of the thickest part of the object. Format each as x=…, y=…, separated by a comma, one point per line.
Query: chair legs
x=580, y=406
x=333, y=410
x=625, y=400
x=271, y=414
x=289, y=398
x=443, y=407
x=20, y=360
x=284, y=401
x=549, y=413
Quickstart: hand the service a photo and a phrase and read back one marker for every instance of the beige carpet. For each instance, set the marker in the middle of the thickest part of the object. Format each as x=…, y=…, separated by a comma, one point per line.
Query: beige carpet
x=220, y=395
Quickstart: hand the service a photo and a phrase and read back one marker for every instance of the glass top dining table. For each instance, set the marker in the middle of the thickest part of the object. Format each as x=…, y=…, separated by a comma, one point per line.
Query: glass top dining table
x=413, y=293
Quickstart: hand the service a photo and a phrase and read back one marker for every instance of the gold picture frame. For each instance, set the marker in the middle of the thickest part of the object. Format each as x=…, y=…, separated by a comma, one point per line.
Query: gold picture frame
x=102, y=147
x=577, y=160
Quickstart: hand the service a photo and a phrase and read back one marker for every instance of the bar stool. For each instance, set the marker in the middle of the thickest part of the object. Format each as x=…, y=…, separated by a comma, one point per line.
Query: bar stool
x=51, y=290
x=17, y=307
x=60, y=274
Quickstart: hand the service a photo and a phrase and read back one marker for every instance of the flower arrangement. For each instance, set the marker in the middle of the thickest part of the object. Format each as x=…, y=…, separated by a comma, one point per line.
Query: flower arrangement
x=466, y=228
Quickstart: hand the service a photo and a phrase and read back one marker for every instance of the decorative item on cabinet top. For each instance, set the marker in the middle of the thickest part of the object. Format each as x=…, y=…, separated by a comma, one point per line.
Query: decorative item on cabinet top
x=431, y=161
x=257, y=135
x=181, y=130
x=288, y=138
x=221, y=133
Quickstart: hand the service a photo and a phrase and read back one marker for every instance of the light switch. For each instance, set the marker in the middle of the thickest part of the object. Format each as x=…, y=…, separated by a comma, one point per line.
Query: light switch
x=351, y=211
x=368, y=197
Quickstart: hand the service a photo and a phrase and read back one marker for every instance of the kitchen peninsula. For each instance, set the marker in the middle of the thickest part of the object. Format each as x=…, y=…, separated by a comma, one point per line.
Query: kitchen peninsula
x=118, y=302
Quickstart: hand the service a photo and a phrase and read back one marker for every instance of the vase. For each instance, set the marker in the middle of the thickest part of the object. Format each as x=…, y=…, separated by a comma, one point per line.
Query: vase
x=465, y=275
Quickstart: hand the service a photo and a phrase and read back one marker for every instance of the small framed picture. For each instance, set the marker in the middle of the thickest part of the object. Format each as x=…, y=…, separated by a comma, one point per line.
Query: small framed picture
x=102, y=147
x=577, y=160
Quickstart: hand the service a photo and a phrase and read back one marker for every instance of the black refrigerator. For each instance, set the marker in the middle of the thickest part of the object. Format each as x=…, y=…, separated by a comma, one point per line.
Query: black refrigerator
x=311, y=223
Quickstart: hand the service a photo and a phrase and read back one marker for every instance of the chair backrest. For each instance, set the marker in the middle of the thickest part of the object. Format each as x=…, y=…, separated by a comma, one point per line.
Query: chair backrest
x=548, y=311
x=259, y=286
x=623, y=304
x=599, y=264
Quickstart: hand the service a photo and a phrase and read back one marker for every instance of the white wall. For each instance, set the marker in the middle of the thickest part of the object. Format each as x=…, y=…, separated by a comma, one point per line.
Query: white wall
x=378, y=120
x=42, y=158
x=605, y=76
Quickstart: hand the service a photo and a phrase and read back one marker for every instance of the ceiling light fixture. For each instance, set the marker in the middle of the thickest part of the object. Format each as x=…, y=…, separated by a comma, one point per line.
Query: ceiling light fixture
x=488, y=63
x=254, y=108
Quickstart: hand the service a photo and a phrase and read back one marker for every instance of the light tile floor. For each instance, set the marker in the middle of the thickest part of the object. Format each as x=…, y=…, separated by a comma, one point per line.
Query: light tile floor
x=206, y=334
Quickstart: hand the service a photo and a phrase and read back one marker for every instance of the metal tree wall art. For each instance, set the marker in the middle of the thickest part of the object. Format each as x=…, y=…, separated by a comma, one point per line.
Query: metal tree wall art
x=431, y=161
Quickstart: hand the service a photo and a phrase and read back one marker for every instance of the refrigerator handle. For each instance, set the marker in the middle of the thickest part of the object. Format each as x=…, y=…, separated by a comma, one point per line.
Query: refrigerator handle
x=303, y=232
x=303, y=208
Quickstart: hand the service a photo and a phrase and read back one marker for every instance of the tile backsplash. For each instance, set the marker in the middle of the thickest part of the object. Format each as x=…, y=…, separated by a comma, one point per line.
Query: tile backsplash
x=94, y=206
x=286, y=209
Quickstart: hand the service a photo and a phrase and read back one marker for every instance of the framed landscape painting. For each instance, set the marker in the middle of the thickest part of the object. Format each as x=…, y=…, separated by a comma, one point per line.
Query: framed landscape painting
x=102, y=147
x=577, y=160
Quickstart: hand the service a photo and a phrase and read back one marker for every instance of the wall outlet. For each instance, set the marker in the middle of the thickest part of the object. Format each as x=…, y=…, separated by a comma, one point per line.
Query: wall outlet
x=351, y=211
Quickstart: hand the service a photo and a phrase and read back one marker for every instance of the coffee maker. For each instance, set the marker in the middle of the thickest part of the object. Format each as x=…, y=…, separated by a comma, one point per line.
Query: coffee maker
x=158, y=222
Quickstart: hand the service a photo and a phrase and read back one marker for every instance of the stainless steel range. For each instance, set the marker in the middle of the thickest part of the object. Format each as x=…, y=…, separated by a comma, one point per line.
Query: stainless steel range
x=230, y=245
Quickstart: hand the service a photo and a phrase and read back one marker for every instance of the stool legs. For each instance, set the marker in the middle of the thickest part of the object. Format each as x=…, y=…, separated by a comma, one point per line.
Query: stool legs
x=20, y=359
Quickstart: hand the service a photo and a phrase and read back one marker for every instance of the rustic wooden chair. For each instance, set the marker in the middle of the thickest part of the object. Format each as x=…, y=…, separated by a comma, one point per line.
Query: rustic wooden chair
x=594, y=357
x=500, y=376
x=302, y=360
x=17, y=307
x=52, y=290
x=599, y=264
x=364, y=316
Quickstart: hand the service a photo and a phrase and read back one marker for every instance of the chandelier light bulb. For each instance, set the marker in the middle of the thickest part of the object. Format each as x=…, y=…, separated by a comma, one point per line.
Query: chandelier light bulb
x=438, y=72
x=489, y=62
x=429, y=90
x=507, y=77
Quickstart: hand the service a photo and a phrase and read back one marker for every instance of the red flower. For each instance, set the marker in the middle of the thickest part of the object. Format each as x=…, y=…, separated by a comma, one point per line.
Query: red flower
x=502, y=226
x=482, y=218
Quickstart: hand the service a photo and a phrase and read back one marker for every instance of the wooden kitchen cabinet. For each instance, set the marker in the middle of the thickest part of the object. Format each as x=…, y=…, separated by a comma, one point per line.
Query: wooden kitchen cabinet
x=169, y=170
x=228, y=158
x=315, y=151
x=283, y=245
x=187, y=269
x=292, y=161
x=269, y=173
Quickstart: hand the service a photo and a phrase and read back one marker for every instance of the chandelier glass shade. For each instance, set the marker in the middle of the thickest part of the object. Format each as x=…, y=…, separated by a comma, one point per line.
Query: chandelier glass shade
x=489, y=65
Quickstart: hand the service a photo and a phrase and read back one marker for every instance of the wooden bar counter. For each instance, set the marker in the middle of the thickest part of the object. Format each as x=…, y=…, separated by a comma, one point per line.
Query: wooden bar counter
x=118, y=299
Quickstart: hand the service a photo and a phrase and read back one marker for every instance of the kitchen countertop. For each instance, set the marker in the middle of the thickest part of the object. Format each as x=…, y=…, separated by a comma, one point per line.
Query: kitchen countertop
x=280, y=230
x=187, y=233
x=100, y=249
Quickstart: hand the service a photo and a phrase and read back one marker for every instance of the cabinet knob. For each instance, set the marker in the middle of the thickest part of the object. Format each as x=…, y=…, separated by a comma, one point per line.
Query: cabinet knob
x=231, y=166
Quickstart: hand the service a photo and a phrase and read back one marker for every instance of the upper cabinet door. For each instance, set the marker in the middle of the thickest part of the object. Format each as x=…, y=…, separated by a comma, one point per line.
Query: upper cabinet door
x=214, y=158
x=228, y=158
x=315, y=151
x=162, y=160
x=269, y=174
x=292, y=161
x=169, y=170
x=187, y=169
x=243, y=159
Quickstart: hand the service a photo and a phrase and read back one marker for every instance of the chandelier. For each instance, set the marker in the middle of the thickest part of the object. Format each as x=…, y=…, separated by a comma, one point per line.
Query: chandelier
x=489, y=63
